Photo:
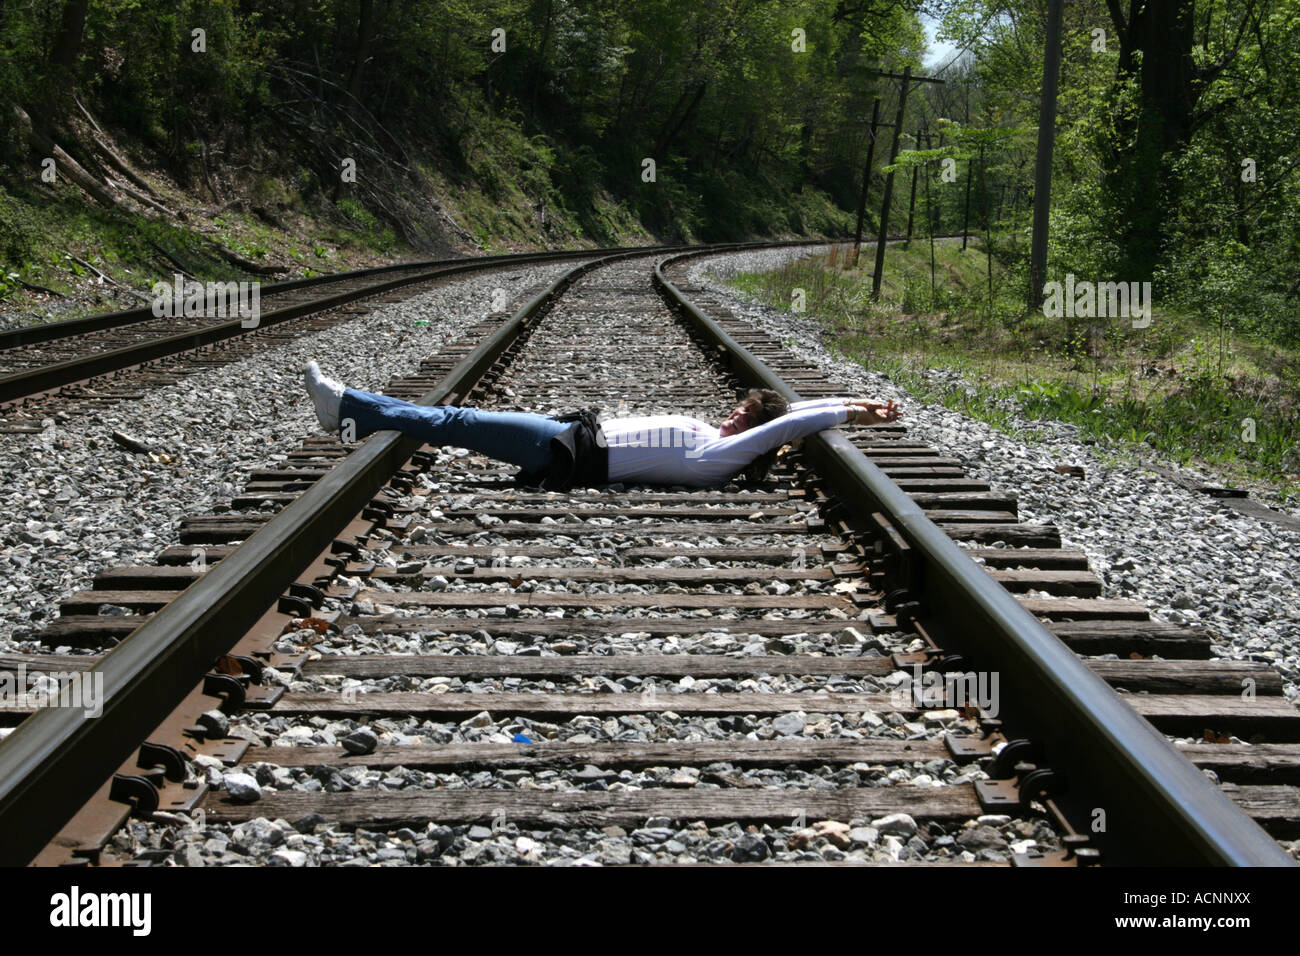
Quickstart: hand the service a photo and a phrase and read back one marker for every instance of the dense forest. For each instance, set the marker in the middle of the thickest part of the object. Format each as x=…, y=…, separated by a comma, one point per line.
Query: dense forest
x=435, y=125
x=547, y=108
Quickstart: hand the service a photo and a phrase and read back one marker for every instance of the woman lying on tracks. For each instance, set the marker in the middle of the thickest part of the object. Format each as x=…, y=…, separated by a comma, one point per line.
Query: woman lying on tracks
x=576, y=450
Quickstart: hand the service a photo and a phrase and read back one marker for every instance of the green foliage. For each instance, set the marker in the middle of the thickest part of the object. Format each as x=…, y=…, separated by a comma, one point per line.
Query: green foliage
x=1148, y=184
x=369, y=228
x=543, y=142
x=1109, y=380
x=21, y=232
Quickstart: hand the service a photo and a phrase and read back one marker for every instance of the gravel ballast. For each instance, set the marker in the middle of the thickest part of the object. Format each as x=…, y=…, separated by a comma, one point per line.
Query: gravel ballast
x=259, y=412
x=75, y=503
x=1190, y=558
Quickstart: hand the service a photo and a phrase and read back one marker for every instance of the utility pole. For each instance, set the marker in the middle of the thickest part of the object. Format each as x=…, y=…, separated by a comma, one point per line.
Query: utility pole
x=929, y=216
x=970, y=167
x=866, y=179
x=889, y=178
x=1043, y=160
x=911, y=202
x=988, y=229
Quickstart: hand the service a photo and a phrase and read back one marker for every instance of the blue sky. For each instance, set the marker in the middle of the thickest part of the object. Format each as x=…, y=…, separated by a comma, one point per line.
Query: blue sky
x=938, y=53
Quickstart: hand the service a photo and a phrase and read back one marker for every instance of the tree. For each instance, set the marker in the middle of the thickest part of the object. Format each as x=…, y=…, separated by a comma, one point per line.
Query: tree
x=1162, y=76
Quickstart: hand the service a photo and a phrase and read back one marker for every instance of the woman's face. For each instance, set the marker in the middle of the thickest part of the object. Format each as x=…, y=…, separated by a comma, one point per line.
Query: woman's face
x=738, y=421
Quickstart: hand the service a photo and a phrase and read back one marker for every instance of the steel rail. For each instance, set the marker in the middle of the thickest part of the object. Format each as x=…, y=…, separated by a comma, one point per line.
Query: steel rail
x=44, y=378
x=57, y=758
x=52, y=331
x=1159, y=809
x=55, y=375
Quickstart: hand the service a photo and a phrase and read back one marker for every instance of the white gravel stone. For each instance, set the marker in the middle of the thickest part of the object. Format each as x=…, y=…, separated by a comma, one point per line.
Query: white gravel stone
x=242, y=787
x=294, y=858
x=895, y=824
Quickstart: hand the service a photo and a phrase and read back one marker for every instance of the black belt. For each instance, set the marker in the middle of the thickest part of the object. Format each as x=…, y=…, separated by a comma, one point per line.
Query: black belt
x=579, y=456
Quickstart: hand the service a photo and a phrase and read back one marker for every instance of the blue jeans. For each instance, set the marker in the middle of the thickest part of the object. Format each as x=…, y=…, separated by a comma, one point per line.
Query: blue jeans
x=520, y=438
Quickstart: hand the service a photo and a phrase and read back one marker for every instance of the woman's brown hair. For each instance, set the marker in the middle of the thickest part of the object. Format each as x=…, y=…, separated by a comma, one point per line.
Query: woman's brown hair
x=762, y=405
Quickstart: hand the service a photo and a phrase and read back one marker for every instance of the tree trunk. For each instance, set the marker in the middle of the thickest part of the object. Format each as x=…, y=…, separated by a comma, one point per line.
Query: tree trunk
x=65, y=165
x=63, y=60
x=965, y=220
x=365, y=34
x=674, y=123
x=100, y=140
x=539, y=64
x=805, y=152
x=866, y=179
x=1156, y=56
x=68, y=42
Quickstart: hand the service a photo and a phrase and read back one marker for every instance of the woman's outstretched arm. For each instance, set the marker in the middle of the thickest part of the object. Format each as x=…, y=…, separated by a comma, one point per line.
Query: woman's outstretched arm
x=723, y=458
x=885, y=411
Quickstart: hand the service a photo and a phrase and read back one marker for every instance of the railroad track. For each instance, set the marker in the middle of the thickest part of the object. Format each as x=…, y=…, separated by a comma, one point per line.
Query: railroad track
x=69, y=361
x=415, y=660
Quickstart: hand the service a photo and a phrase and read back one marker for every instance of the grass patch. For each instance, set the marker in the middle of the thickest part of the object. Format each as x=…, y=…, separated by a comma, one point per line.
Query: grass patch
x=43, y=232
x=1187, y=386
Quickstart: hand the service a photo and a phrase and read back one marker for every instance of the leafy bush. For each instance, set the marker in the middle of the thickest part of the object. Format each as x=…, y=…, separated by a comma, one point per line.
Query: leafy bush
x=21, y=231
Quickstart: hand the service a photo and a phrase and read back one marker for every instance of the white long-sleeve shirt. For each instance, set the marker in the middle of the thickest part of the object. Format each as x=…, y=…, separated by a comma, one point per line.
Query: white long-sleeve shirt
x=679, y=450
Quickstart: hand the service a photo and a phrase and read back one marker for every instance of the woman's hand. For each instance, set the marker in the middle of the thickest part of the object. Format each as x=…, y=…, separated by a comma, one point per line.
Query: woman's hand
x=864, y=411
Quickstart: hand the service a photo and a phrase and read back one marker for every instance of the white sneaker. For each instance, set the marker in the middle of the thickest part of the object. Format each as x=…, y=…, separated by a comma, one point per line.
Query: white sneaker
x=326, y=394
